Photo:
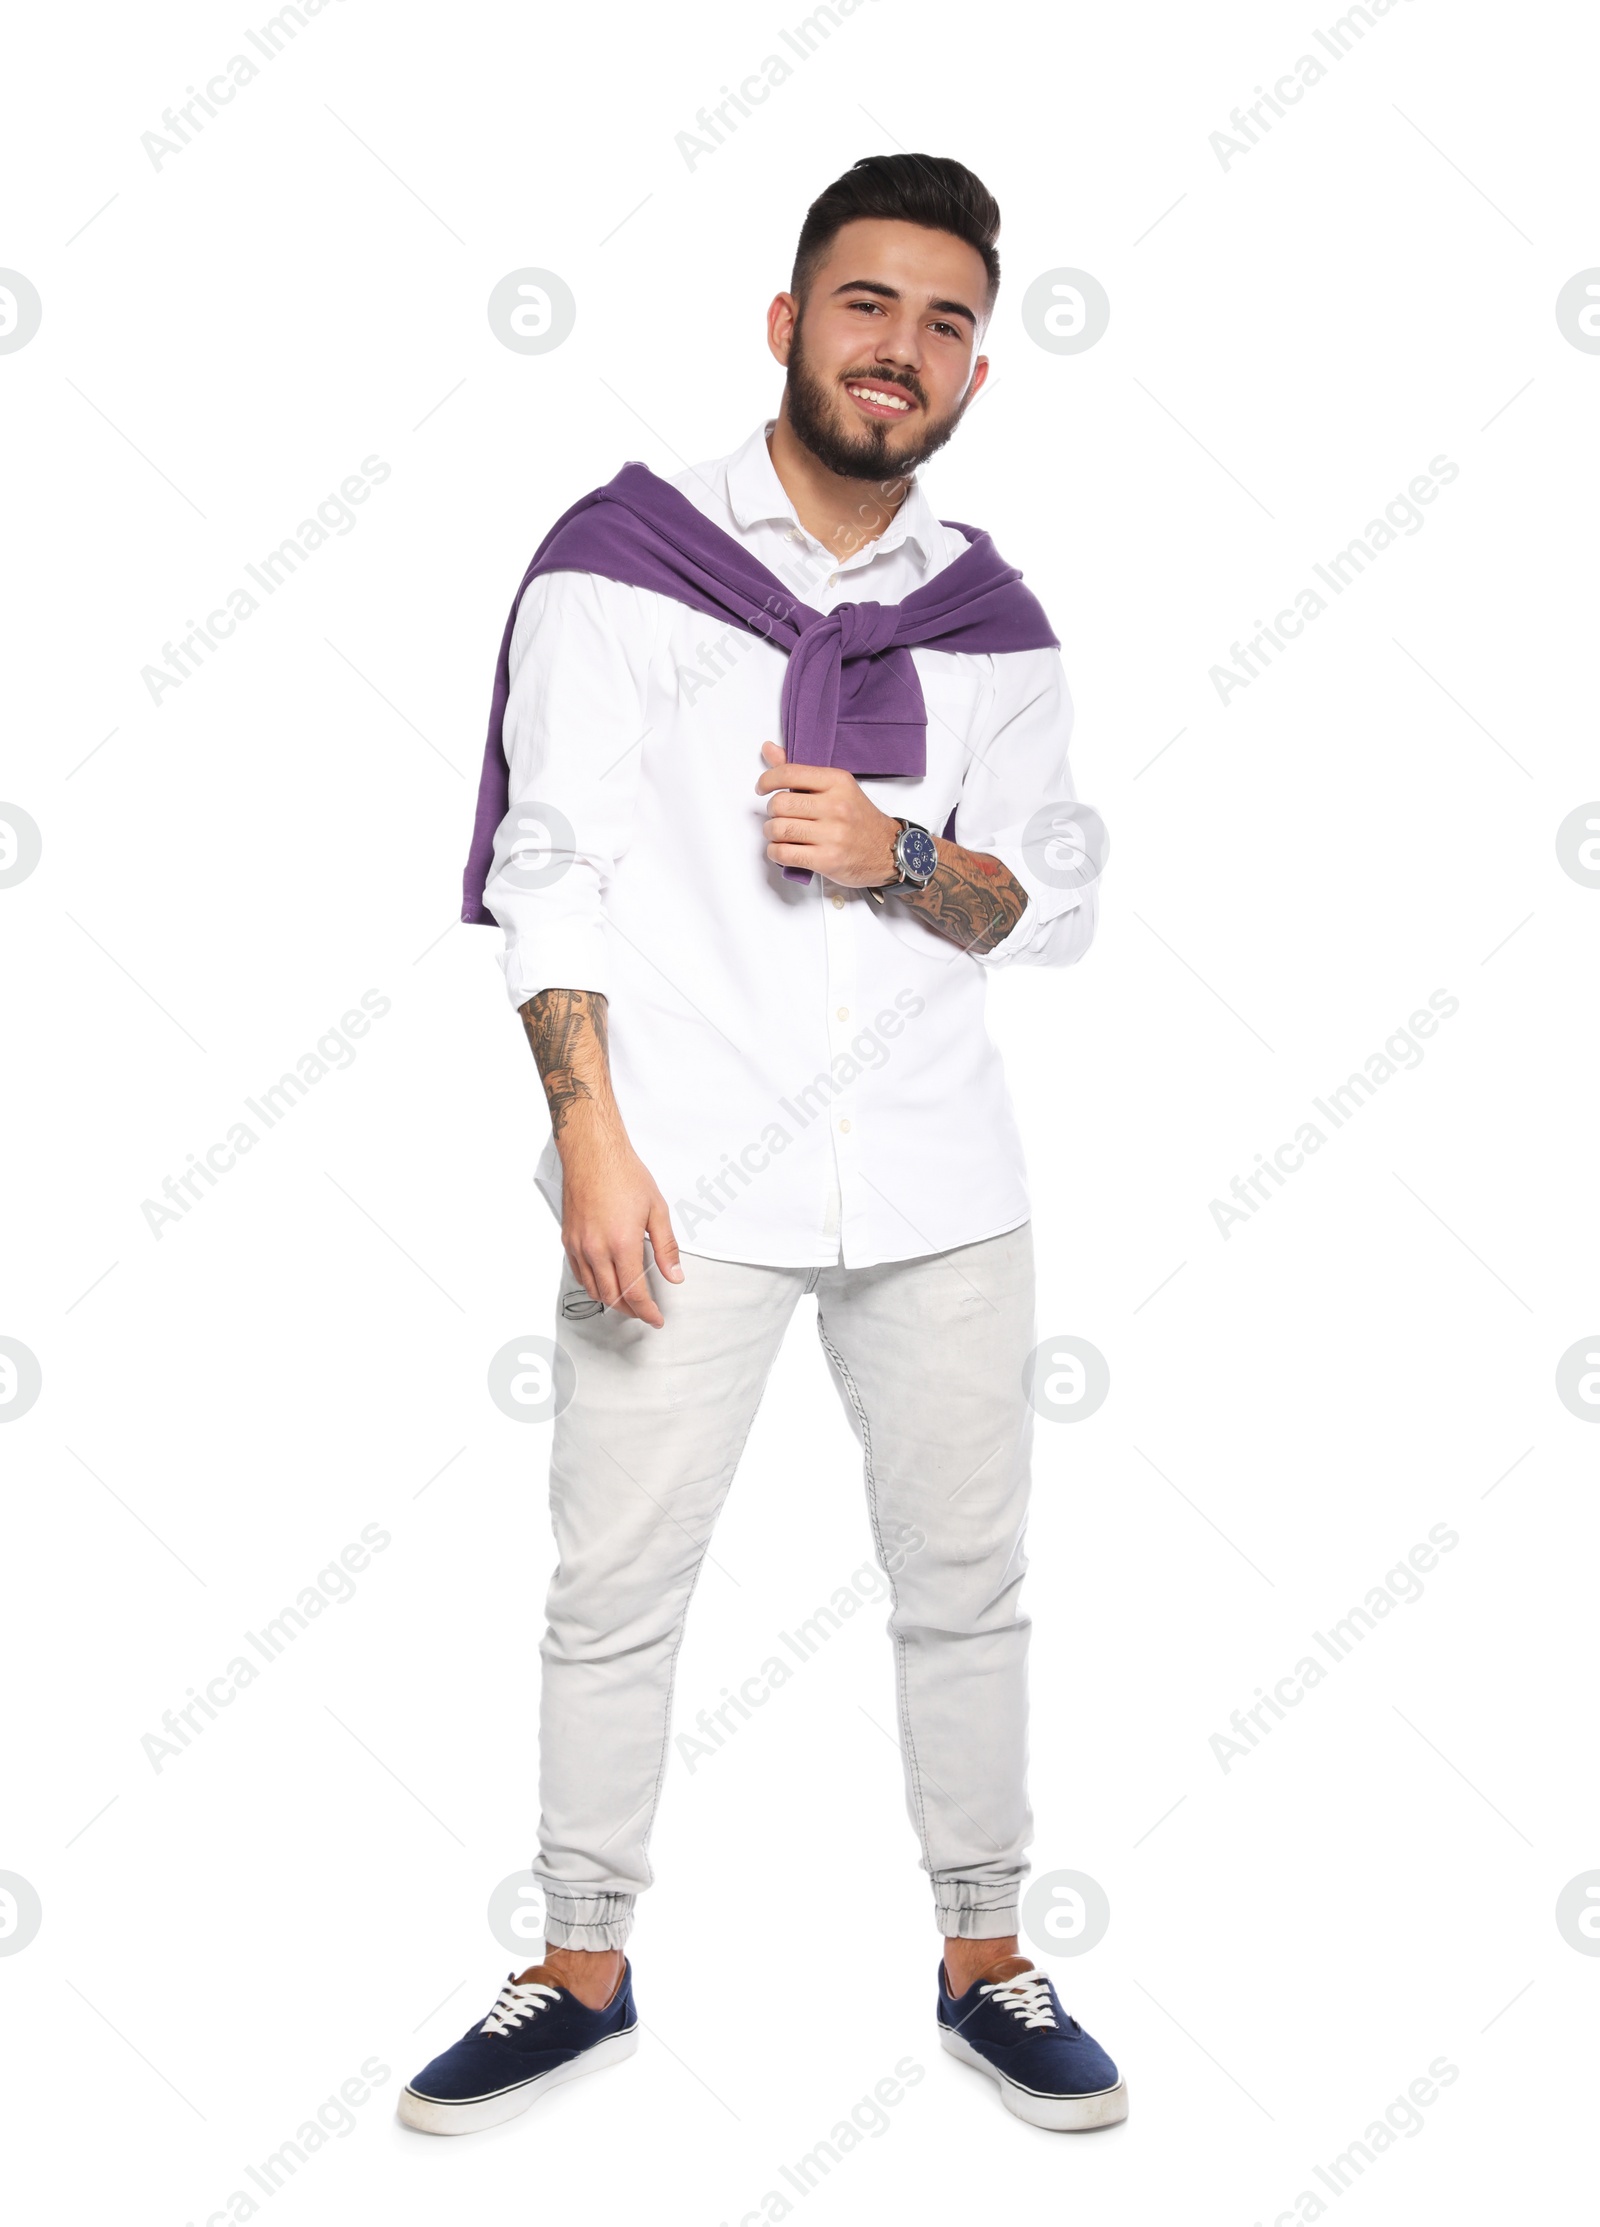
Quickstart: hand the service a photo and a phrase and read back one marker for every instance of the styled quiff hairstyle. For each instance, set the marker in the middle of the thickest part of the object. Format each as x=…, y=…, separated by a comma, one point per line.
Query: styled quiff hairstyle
x=932, y=190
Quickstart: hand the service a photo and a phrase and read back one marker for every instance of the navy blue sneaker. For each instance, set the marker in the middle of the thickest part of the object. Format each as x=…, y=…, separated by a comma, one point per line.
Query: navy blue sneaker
x=1010, y=2025
x=537, y=2035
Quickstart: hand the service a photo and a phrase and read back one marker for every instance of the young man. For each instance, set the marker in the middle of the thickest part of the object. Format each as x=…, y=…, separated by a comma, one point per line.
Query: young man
x=732, y=712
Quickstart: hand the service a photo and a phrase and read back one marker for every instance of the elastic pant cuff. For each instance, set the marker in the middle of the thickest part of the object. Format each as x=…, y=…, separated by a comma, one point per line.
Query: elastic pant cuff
x=966, y=1911
x=587, y=1921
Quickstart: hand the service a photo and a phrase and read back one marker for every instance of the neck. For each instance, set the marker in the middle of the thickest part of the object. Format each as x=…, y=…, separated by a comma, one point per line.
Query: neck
x=843, y=514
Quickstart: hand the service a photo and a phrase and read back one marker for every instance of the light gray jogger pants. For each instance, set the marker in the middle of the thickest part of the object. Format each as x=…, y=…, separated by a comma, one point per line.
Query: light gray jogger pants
x=928, y=1356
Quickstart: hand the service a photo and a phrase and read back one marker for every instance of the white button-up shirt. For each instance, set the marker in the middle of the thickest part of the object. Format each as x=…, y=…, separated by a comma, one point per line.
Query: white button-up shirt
x=807, y=1077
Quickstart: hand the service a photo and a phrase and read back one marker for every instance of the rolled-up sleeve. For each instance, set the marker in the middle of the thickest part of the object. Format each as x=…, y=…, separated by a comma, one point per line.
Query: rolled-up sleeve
x=1018, y=804
x=574, y=730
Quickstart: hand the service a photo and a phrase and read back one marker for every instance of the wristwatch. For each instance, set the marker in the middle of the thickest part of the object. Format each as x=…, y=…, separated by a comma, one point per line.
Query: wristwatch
x=916, y=860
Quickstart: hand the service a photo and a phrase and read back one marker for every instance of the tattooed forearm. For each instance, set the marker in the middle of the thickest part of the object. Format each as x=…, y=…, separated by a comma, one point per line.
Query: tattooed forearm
x=567, y=1029
x=973, y=899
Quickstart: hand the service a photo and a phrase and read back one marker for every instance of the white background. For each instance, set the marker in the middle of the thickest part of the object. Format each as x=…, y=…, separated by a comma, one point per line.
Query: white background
x=1292, y=1407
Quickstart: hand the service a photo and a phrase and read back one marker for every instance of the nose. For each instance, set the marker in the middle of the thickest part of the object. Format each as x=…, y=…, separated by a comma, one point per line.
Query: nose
x=900, y=344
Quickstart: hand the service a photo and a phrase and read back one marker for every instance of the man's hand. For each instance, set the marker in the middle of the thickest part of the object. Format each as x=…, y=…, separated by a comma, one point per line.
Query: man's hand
x=821, y=818
x=609, y=1202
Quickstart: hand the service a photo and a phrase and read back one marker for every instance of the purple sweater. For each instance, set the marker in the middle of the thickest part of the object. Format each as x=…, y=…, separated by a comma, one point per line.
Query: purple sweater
x=851, y=696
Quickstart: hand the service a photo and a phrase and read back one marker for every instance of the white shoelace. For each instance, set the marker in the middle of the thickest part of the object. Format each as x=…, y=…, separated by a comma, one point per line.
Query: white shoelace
x=1027, y=1997
x=518, y=2000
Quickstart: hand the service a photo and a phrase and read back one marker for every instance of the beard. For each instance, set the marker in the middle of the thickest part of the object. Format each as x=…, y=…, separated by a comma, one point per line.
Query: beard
x=859, y=449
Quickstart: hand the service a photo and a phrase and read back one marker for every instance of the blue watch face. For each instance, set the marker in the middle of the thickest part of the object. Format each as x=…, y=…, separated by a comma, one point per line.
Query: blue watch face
x=918, y=854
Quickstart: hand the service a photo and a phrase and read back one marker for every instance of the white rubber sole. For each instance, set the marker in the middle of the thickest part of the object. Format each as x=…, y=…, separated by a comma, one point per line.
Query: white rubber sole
x=1061, y=2114
x=430, y=2116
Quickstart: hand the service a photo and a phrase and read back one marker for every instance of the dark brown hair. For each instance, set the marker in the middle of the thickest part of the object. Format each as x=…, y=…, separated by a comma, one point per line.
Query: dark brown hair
x=932, y=190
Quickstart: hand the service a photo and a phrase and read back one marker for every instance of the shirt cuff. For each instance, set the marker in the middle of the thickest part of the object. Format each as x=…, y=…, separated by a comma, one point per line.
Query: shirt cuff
x=565, y=955
x=1044, y=918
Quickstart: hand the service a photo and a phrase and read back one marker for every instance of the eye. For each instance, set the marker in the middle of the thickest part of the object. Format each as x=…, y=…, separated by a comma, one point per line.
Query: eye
x=875, y=307
x=954, y=331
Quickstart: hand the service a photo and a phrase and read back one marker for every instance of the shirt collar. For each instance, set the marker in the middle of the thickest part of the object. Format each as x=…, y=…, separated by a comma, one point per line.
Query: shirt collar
x=756, y=495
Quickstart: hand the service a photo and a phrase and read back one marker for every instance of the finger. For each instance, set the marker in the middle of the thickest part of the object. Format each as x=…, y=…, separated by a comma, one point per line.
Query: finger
x=581, y=1269
x=788, y=776
x=772, y=753
x=600, y=1276
x=611, y=1280
x=789, y=805
x=794, y=854
x=633, y=1294
x=662, y=1242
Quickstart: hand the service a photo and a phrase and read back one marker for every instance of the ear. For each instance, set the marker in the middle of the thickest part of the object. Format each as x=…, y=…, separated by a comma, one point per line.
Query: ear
x=782, y=318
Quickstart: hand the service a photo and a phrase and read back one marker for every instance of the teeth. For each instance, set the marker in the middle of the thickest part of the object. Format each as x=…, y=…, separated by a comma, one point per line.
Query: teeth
x=875, y=394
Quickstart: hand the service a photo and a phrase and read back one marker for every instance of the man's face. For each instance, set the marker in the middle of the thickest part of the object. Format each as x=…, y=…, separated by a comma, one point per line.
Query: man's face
x=882, y=358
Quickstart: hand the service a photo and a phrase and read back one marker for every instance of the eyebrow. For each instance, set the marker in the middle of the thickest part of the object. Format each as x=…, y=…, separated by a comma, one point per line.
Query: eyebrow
x=893, y=294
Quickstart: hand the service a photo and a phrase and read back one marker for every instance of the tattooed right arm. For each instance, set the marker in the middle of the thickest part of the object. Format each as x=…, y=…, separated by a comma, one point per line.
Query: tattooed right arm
x=609, y=1202
x=567, y=1029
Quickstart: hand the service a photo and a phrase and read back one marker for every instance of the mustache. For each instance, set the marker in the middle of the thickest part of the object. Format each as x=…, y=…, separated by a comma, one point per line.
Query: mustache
x=910, y=386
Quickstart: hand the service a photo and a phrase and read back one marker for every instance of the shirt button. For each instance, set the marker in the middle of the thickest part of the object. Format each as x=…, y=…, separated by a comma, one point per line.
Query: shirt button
x=845, y=1126
x=844, y=1013
x=833, y=579
x=839, y=904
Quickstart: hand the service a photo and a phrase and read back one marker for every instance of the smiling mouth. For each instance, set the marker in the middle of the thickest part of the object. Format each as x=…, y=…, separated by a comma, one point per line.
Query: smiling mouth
x=879, y=401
